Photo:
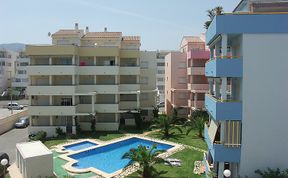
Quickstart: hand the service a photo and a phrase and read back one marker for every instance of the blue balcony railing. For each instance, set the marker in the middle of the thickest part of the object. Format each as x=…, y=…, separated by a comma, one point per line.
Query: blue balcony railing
x=223, y=110
x=224, y=67
x=220, y=152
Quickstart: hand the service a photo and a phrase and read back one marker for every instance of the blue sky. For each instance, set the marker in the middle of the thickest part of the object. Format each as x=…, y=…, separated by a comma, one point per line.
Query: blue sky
x=160, y=23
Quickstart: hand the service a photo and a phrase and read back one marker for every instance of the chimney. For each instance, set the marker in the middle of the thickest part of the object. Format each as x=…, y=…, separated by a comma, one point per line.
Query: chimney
x=76, y=26
x=105, y=29
x=87, y=29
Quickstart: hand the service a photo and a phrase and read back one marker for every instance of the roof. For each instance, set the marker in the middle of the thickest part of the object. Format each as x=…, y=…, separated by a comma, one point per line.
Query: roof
x=131, y=38
x=103, y=35
x=32, y=149
x=192, y=39
x=67, y=32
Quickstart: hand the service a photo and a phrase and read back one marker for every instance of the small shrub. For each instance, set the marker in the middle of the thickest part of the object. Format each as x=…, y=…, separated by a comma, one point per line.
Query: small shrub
x=156, y=112
x=41, y=135
x=272, y=173
x=138, y=120
x=59, y=132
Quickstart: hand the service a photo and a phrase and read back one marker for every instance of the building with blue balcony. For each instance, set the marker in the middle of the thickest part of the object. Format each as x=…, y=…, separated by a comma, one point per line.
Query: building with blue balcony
x=246, y=102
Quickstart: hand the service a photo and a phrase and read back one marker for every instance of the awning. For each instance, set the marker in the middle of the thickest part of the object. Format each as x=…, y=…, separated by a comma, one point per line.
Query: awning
x=212, y=130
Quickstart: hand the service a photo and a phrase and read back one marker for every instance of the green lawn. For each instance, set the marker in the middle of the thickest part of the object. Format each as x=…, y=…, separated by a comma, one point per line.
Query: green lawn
x=188, y=157
x=192, y=139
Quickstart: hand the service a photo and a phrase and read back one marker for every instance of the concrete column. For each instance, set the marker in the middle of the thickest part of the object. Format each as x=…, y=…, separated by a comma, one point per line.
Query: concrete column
x=93, y=103
x=116, y=117
x=95, y=60
x=50, y=79
x=73, y=100
x=51, y=120
x=234, y=170
x=224, y=42
x=223, y=88
x=220, y=170
x=116, y=98
x=217, y=88
x=117, y=62
x=222, y=132
x=73, y=80
x=50, y=100
x=73, y=121
x=138, y=100
x=50, y=60
x=195, y=100
x=73, y=60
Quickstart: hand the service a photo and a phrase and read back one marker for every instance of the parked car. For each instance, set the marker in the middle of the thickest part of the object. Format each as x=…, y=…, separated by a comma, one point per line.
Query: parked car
x=23, y=122
x=15, y=106
x=161, y=104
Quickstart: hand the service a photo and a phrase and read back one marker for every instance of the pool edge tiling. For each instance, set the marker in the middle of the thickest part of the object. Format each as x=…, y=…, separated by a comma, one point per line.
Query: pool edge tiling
x=61, y=148
x=69, y=166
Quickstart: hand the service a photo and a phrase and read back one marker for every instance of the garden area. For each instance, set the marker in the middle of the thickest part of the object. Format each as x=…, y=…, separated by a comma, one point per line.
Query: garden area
x=169, y=128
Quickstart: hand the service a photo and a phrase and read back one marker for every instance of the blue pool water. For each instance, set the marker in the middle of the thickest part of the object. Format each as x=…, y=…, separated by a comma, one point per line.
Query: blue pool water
x=79, y=146
x=109, y=158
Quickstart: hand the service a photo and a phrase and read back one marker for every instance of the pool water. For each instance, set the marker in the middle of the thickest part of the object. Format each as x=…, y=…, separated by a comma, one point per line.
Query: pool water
x=79, y=146
x=108, y=158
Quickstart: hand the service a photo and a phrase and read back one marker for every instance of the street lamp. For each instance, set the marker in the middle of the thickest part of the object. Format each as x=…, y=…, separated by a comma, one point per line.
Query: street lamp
x=227, y=173
x=4, y=163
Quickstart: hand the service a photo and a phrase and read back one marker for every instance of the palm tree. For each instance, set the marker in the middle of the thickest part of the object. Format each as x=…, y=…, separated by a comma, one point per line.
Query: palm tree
x=197, y=123
x=211, y=14
x=166, y=124
x=146, y=158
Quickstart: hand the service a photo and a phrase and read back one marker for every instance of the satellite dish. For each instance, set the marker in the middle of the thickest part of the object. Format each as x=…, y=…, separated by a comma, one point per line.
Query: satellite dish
x=49, y=34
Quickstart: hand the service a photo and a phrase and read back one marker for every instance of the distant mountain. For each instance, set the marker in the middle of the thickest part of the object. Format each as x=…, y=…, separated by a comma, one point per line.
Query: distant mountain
x=13, y=46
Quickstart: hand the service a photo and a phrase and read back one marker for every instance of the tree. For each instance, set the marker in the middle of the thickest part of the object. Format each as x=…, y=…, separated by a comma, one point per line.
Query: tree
x=146, y=158
x=93, y=122
x=197, y=123
x=272, y=173
x=138, y=119
x=166, y=124
x=211, y=14
x=156, y=112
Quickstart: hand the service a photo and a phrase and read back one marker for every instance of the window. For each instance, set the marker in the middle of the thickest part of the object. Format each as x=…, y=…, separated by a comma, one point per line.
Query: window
x=144, y=65
x=182, y=80
x=21, y=71
x=144, y=80
x=24, y=63
x=160, y=63
x=182, y=65
x=2, y=63
x=144, y=96
x=160, y=79
x=128, y=97
x=161, y=87
x=160, y=71
x=85, y=99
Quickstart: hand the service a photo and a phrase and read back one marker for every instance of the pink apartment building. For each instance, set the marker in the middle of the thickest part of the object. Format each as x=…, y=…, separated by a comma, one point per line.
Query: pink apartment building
x=185, y=81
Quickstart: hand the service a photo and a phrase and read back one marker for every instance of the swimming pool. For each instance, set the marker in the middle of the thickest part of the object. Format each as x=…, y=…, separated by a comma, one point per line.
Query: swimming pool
x=108, y=158
x=79, y=146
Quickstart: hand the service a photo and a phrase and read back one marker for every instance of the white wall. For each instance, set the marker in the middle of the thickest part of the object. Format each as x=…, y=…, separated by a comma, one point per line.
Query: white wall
x=264, y=126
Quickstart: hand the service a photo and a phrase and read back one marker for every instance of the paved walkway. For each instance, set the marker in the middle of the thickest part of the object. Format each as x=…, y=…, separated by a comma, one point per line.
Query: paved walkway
x=9, y=139
x=4, y=112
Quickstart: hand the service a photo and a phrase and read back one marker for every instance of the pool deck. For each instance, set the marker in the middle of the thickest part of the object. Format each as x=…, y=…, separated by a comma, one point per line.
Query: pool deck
x=120, y=173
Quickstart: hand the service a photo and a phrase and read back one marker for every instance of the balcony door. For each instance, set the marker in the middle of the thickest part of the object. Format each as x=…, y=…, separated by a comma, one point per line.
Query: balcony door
x=66, y=101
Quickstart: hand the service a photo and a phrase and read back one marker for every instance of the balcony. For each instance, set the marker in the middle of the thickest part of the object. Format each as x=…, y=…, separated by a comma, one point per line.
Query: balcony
x=246, y=23
x=97, y=88
x=37, y=50
x=51, y=69
x=98, y=51
x=198, y=54
x=106, y=108
x=196, y=104
x=224, y=67
x=84, y=108
x=129, y=53
x=197, y=87
x=51, y=90
x=128, y=105
x=129, y=87
x=52, y=110
x=223, y=110
x=220, y=152
x=129, y=70
x=98, y=70
x=196, y=70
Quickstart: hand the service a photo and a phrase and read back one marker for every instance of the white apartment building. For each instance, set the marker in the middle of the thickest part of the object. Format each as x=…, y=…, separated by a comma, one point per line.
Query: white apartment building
x=21, y=80
x=7, y=69
x=83, y=73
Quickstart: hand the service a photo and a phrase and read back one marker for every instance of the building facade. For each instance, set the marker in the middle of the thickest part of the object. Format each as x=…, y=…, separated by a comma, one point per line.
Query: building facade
x=160, y=76
x=82, y=73
x=246, y=104
x=21, y=79
x=7, y=69
x=185, y=82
